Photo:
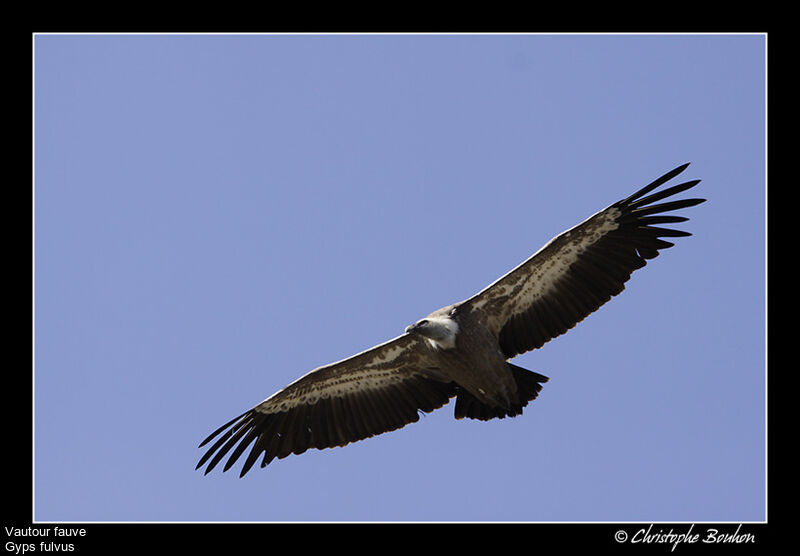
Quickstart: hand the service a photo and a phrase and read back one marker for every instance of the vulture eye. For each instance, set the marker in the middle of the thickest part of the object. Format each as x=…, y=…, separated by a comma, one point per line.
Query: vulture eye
x=423, y=322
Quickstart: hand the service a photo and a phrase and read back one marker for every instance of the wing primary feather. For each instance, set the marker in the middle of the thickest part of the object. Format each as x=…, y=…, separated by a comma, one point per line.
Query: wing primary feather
x=220, y=441
x=668, y=192
x=665, y=207
x=224, y=449
x=222, y=428
x=647, y=220
x=213, y=449
x=664, y=232
x=252, y=434
x=258, y=447
x=268, y=457
x=648, y=188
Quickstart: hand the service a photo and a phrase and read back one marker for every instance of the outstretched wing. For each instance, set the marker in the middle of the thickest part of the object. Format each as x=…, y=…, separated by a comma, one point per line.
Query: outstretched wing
x=376, y=391
x=579, y=270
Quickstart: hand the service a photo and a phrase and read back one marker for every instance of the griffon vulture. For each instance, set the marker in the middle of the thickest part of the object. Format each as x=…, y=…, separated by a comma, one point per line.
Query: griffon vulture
x=463, y=349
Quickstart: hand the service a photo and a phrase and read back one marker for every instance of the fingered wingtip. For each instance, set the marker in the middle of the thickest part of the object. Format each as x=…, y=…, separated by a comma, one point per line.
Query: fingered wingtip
x=679, y=169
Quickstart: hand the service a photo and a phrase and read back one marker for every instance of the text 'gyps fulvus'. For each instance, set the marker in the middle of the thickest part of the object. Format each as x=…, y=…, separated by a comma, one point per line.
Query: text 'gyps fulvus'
x=463, y=349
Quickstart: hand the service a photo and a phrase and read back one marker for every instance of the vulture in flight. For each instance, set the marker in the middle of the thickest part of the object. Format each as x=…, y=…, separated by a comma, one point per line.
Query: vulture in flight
x=461, y=350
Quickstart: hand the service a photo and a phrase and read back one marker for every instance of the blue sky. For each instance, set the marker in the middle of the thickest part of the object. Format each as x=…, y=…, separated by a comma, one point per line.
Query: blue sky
x=216, y=215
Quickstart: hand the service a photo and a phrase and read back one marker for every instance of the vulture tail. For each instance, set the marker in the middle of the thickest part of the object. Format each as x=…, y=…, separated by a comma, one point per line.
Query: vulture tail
x=529, y=384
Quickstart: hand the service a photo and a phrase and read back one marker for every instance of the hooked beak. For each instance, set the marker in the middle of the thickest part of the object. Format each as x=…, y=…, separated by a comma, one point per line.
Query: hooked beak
x=411, y=328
